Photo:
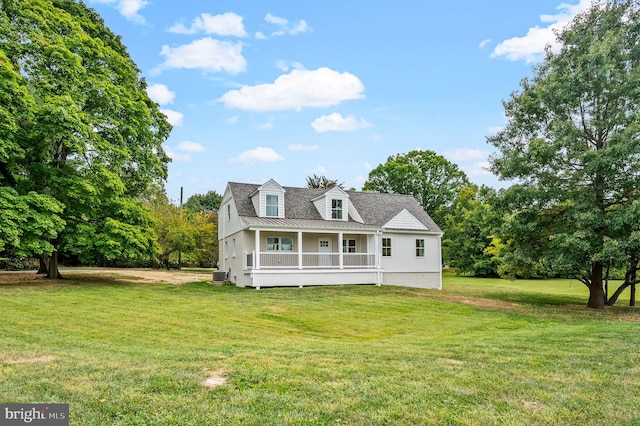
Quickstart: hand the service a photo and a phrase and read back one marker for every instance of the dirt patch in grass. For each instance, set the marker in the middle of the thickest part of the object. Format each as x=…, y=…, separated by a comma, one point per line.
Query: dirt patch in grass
x=449, y=361
x=480, y=302
x=215, y=379
x=30, y=360
x=128, y=275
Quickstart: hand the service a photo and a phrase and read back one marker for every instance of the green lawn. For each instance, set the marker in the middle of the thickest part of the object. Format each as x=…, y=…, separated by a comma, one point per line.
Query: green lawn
x=480, y=352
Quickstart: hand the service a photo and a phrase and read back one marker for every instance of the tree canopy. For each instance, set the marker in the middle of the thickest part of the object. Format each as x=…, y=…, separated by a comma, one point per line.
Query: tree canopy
x=432, y=179
x=471, y=230
x=572, y=142
x=203, y=202
x=315, y=181
x=78, y=133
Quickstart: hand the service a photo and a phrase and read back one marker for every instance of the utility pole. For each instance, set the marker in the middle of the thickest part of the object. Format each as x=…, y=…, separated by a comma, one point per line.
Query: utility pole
x=180, y=251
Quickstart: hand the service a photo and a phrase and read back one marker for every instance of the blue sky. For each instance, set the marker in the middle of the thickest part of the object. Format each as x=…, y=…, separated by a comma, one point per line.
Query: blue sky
x=283, y=89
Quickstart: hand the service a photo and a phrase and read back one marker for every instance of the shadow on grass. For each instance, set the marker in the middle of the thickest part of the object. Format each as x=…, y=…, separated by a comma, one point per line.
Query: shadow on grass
x=537, y=299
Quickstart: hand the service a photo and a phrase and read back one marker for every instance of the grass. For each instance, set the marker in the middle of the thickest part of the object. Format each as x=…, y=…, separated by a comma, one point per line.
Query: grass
x=480, y=352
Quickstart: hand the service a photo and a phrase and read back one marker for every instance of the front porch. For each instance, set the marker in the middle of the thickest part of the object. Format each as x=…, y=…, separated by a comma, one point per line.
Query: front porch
x=285, y=260
x=312, y=257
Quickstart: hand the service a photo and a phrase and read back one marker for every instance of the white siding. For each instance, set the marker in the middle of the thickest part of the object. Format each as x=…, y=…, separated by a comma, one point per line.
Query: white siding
x=403, y=253
x=321, y=205
x=405, y=220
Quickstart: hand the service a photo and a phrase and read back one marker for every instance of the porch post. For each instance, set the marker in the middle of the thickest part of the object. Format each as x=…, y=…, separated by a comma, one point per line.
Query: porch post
x=257, y=247
x=377, y=255
x=299, y=249
x=340, y=254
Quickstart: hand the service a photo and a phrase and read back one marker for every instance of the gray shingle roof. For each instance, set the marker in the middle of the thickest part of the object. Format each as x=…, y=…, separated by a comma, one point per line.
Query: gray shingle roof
x=376, y=209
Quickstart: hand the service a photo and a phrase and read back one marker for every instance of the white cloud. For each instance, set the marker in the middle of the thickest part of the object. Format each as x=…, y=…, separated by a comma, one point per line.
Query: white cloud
x=260, y=36
x=530, y=47
x=257, y=155
x=302, y=27
x=480, y=168
x=176, y=156
x=276, y=20
x=367, y=166
x=188, y=146
x=282, y=65
x=466, y=154
x=173, y=117
x=300, y=88
x=127, y=8
x=265, y=126
x=232, y=120
x=160, y=94
x=284, y=26
x=320, y=169
x=226, y=24
x=207, y=54
x=484, y=43
x=337, y=123
x=301, y=147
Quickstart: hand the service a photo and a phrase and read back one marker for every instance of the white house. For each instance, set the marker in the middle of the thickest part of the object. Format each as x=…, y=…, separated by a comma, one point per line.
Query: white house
x=282, y=236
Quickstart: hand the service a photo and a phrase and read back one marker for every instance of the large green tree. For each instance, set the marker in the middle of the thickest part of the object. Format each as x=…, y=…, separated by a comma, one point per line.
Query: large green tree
x=432, y=179
x=471, y=230
x=572, y=142
x=203, y=202
x=91, y=137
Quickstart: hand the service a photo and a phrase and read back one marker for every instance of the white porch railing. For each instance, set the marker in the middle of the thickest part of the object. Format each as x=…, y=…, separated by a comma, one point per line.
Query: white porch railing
x=290, y=260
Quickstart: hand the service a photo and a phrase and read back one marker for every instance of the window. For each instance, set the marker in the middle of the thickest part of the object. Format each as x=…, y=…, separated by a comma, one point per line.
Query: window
x=348, y=246
x=272, y=205
x=226, y=249
x=286, y=243
x=386, y=247
x=234, y=248
x=279, y=243
x=419, y=248
x=228, y=212
x=336, y=209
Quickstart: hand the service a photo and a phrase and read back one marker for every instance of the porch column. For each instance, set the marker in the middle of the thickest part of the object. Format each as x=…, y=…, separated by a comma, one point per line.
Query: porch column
x=299, y=249
x=376, y=250
x=257, y=249
x=340, y=254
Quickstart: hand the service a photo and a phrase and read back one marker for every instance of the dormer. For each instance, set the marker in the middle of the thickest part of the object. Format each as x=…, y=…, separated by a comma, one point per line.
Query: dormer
x=268, y=200
x=335, y=205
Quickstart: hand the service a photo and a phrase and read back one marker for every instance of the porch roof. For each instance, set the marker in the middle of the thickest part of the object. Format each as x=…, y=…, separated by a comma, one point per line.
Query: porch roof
x=304, y=224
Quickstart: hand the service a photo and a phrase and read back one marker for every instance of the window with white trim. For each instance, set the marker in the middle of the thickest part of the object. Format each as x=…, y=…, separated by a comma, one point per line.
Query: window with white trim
x=271, y=203
x=336, y=209
x=419, y=248
x=228, y=212
x=348, y=246
x=279, y=243
x=386, y=247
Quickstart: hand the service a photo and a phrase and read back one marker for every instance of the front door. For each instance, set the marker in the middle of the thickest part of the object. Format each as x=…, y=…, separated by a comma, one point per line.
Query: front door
x=324, y=248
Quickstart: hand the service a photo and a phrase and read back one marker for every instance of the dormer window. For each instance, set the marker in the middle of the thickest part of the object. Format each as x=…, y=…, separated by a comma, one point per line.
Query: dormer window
x=271, y=204
x=336, y=209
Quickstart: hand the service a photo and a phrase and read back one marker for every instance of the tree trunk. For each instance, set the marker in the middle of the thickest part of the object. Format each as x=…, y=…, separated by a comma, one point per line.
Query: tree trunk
x=54, y=273
x=632, y=296
x=614, y=297
x=44, y=265
x=596, y=291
